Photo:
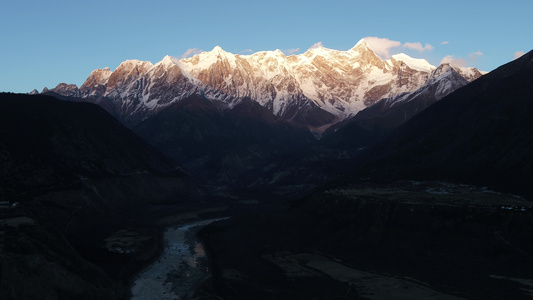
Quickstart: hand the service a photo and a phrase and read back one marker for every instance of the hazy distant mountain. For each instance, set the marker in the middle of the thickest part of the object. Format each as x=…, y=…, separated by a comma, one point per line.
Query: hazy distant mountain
x=316, y=88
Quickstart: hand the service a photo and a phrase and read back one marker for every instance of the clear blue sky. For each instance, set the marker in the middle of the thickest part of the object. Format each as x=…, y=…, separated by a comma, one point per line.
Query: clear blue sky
x=44, y=43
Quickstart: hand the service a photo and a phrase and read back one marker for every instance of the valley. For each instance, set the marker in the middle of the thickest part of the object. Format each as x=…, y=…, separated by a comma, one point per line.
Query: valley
x=411, y=239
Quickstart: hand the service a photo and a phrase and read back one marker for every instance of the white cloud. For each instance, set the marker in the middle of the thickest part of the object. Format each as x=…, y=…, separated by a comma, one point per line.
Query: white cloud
x=381, y=46
x=246, y=51
x=472, y=57
x=517, y=54
x=418, y=46
x=475, y=54
x=445, y=43
x=191, y=52
x=460, y=62
x=316, y=45
x=293, y=50
x=450, y=59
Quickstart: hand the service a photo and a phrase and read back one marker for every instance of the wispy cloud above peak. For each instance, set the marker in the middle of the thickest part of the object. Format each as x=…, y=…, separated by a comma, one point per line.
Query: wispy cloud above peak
x=293, y=50
x=445, y=43
x=418, y=46
x=517, y=54
x=316, y=45
x=381, y=46
x=246, y=51
x=191, y=52
x=460, y=62
x=474, y=56
x=450, y=59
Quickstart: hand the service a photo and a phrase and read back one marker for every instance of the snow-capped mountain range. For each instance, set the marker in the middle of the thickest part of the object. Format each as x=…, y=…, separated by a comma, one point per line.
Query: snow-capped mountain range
x=327, y=84
x=443, y=81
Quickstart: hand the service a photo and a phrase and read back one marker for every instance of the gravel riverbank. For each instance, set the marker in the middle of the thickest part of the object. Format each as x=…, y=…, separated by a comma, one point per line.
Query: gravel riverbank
x=181, y=266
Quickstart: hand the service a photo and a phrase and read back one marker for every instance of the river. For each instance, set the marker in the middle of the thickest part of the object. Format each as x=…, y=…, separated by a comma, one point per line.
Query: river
x=181, y=266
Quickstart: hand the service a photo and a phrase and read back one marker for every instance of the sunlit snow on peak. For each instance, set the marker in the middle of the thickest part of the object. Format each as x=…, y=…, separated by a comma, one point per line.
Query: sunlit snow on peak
x=218, y=49
x=414, y=63
x=169, y=60
x=362, y=42
x=339, y=82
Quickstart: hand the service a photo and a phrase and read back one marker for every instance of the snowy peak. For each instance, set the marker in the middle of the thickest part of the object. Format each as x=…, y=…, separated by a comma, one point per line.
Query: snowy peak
x=69, y=90
x=128, y=71
x=363, y=50
x=444, y=69
x=134, y=65
x=339, y=82
x=219, y=52
x=362, y=44
x=169, y=61
x=414, y=63
x=278, y=52
x=320, y=82
x=469, y=74
x=98, y=77
x=365, y=56
x=317, y=51
x=206, y=59
x=218, y=49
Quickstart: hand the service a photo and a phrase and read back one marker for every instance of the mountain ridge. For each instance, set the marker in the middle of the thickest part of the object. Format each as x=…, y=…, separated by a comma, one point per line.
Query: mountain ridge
x=327, y=84
x=477, y=134
x=372, y=123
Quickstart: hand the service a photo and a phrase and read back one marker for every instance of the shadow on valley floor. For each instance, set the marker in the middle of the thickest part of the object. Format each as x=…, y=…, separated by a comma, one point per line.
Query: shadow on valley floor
x=401, y=239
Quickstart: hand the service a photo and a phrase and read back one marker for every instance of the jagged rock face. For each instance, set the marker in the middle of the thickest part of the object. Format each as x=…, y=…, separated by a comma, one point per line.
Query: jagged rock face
x=316, y=88
x=137, y=89
x=476, y=134
x=443, y=81
x=340, y=82
x=68, y=90
x=372, y=123
x=95, y=84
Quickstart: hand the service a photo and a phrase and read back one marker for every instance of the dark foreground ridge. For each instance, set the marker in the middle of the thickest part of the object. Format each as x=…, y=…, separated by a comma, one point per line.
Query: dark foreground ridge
x=71, y=178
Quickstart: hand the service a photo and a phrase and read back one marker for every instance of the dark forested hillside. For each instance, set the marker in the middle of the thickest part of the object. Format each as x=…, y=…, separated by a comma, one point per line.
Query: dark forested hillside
x=70, y=175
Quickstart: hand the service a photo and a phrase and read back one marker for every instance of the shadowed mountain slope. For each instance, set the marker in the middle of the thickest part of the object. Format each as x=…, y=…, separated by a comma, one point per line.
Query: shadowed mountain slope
x=47, y=143
x=223, y=147
x=70, y=175
x=374, y=122
x=481, y=134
